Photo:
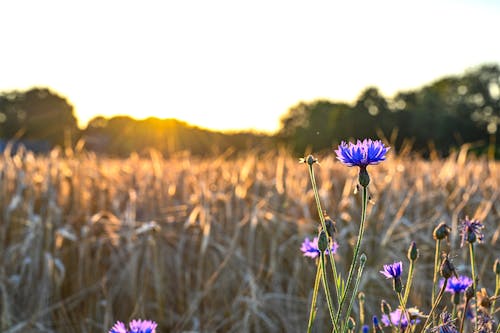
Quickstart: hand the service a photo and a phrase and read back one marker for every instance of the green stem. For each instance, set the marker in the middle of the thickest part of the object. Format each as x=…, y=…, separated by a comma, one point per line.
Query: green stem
x=355, y=290
x=403, y=311
x=434, y=305
x=474, y=286
x=409, y=282
x=434, y=279
x=327, y=291
x=497, y=292
x=312, y=313
x=323, y=225
x=356, y=252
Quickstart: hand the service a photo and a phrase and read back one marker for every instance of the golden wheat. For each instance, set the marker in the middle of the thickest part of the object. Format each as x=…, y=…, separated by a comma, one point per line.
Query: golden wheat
x=212, y=245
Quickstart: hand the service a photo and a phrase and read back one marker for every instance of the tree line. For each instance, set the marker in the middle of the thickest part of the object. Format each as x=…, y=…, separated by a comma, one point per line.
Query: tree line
x=442, y=115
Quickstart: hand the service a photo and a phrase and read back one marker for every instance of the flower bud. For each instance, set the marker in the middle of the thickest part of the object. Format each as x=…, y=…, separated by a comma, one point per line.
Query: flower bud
x=385, y=307
x=496, y=267
x=330, y=226
x=447, y=268
x=413, y=252
x=351, y=324
x=322, y=241
x=310, y=160
x=441, y=231
x=469, y=292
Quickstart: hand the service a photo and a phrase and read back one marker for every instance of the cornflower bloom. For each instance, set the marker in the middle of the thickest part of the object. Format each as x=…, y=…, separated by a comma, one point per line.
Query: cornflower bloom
x=136, y=326
x=362, y=154
x=456, y=285
x=396, y=318
x=470, y=231
x=393, y=271
x=310, y=248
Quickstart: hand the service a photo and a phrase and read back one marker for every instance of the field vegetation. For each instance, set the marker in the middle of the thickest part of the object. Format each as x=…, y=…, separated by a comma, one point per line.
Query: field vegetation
x=213, y=244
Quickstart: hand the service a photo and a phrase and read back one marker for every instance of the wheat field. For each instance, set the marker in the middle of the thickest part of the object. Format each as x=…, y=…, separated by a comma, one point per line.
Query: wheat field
x=212, y=245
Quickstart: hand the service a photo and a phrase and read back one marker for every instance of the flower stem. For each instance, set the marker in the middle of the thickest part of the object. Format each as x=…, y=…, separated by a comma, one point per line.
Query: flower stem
x=323, y=225
x=356, y=252
x=497, y=293
x=464, y=314
x=434, y=280
x=409, y=282
x=327, y=291
x=474, y=283
x=434, y=305
x=312, y=313
x=355, y=290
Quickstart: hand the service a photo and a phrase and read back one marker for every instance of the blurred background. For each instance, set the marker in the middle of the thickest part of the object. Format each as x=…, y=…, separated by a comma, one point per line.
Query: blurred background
x=149, y=155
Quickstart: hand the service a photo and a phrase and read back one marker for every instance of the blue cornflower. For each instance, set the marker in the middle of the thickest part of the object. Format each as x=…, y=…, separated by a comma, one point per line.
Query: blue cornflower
x=456, y=285
x=135, y=326
x=311, y=250
x=393, y=271
x=365, y=329
x=470, y=231
x=361, y=154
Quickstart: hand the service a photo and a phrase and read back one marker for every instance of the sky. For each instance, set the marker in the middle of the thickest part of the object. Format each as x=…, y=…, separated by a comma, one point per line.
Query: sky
x=232, y=65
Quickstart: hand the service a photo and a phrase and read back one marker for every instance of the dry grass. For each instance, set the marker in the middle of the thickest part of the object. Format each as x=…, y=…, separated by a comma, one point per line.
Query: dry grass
x=213, y=245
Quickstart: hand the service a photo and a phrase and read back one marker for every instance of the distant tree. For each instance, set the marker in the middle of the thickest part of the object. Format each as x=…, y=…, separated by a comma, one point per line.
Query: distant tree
x=38, y=114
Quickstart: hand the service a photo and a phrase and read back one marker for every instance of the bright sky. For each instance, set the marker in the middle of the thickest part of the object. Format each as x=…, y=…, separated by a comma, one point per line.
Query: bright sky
x=236, y=64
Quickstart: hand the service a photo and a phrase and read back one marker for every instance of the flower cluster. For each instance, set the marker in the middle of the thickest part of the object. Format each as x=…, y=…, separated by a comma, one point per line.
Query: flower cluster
x=135, y=326
x=310, y=248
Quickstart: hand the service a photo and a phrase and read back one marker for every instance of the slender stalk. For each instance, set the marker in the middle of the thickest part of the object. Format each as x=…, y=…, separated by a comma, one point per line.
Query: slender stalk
x=362, y=262
x=356, y=252
x=327, y=291
x=409, y=282
x=434, y=305
x=323, y=225
x=312, y=313
x=403, y=311
x=434, y=279
x=474, y=283
x=464, y=314
x=497, y=293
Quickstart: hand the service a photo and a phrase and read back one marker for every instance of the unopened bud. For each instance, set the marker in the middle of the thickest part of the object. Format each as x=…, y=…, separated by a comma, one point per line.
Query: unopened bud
x=496, y=267
x=385, y=307
x=362, y=259
x=469, y=292
x=322, y=241
x=310, y=160
x=413, y=252
x=441, y=231
x=447, y=268
x=330, y=226
x=351, y=324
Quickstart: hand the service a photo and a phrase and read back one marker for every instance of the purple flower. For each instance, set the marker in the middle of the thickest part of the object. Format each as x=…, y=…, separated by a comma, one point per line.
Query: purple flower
x=136, y=326
x=393, y=271
x=361, y=154
x=456, y=285
x=470, y=231
x=396, y=317
x=311, y=250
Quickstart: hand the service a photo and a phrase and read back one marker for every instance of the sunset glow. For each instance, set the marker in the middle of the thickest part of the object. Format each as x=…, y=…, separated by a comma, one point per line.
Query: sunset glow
x=236, y=65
